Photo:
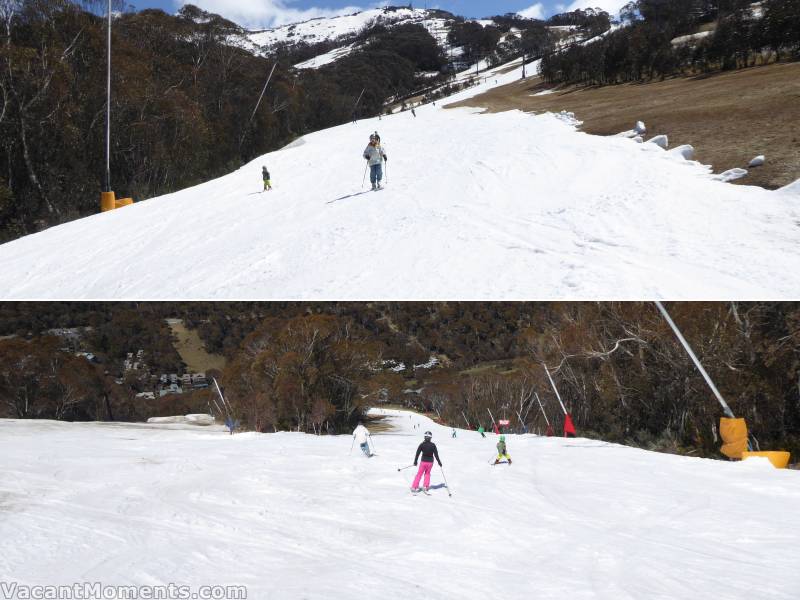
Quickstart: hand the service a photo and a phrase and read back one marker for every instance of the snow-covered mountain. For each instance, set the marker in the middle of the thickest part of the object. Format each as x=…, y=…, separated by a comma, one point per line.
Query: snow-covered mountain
x=340, y=32
x=291, y=515
x=476, y=206
x=329, y=29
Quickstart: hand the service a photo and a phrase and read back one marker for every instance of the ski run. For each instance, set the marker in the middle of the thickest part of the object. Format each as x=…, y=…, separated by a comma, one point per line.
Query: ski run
x=292, y=515
x=475, y=206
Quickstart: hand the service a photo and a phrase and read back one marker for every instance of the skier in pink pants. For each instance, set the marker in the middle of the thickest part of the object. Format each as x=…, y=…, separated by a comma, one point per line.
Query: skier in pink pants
x=429, y=452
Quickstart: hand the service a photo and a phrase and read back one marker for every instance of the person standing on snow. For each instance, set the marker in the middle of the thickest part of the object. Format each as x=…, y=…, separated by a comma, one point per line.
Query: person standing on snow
x=481, y=430
x=429, y=452
x=502, y=451
x=362, y=435
x=375, y=157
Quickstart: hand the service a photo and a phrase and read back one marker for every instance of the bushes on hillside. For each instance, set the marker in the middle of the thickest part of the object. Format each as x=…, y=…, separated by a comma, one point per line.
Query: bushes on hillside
x=647, y=48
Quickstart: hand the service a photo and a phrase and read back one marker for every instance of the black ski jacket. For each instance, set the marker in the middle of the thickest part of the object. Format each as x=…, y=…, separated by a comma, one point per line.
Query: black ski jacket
x=428, y=451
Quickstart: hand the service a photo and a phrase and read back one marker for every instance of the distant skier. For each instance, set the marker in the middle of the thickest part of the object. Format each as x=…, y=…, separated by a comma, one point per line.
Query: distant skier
x=362, y=435
x=481, y=431
x=502, y=451
x=413, y=112
x=454, y=432
x=231, y=424
x=265, y=176
x=375, y=157
x=429, y=452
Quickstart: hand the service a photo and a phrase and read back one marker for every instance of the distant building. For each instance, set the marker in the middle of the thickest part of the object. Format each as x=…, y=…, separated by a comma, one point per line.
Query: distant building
x=199, y=381
x=172, y=388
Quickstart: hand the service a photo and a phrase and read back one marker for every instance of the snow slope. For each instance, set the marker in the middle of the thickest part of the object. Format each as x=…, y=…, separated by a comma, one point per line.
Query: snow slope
x=477, y=206
x=331, y=28
x=296, y=516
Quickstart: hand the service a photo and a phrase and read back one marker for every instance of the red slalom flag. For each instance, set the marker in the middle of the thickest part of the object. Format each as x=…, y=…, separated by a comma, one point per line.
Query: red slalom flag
x=496, y=430
x=549, y=432
x=569, y=426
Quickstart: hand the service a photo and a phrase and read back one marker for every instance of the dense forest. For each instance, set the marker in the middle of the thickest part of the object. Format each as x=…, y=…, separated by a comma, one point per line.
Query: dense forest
x=315, y=367
x=662, y=38
x=183, y=102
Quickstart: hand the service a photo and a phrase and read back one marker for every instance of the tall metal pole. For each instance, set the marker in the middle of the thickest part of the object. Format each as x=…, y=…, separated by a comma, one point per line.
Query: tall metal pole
x=697, y=364
x=544, y=414
x=555, y=389
x=108, y=107
x=261, y=97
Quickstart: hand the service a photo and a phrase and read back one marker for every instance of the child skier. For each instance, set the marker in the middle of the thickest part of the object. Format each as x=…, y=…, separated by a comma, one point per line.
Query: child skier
x=362, y=435
x=265, y=176
x=375, y=157
x=502, y=451
x=429, y=452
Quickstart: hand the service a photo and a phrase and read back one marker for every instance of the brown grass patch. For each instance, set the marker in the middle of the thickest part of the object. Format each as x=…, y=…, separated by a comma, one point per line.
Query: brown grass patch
x=728, y=117
x=192, y=350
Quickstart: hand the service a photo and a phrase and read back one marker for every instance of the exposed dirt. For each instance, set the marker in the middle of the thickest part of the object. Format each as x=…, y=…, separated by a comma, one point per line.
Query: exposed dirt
x=192, y=350
x=728, y=117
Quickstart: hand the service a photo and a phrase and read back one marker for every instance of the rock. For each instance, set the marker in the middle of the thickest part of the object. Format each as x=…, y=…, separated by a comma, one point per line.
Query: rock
x=757, y=161
x=640, y=128
x=659, y=140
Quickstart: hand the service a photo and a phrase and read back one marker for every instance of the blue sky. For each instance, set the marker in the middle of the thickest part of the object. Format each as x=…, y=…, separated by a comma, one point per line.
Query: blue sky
x=266, y=13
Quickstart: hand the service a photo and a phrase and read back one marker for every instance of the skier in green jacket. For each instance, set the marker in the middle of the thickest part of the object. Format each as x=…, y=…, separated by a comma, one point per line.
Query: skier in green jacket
x=502, y=451
x=481, y=430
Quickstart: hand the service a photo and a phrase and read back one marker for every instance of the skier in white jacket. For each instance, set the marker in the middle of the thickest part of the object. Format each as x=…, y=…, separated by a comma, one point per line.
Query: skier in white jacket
x=362, y=435
x=375, y=157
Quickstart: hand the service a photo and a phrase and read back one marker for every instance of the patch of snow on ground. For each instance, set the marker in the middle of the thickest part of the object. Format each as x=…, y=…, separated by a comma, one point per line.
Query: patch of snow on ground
x=325, y=59
x=291, y=515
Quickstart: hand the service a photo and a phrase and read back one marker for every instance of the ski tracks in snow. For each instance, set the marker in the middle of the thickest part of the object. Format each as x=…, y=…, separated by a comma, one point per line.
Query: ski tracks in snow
x=478, y=206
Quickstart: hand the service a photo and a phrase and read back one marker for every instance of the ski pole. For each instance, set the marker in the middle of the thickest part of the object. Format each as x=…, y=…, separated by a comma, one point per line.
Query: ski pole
x=353, y=443
x=445, y=481
x=386, y=166
x=373, y=444
x=404, y=468
x=364, y=178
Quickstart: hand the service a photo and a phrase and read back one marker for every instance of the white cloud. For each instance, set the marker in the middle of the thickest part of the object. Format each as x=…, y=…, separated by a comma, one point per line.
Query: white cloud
x=610, y=6
x=532, y=12
x=262, y=14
